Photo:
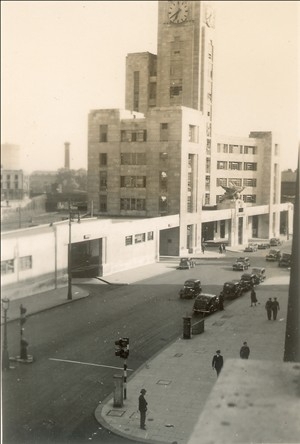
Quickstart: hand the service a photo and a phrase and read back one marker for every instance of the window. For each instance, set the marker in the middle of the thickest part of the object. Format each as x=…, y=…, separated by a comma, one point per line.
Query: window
x=208, y=129
x=163, y=181
x=250, y=166
x=128, y=240
x=193, y=133
x=25, y=263
x=133, y=182
x=236, y=149
x=249, y=182
x=207, y=199
x=150, y=235
x=138, y=238
x=175, y=91
x=219, y=147
x=132, y=204
x=164, y=131
x=189, y=204
x=103, y=203
x=221, y=165
x=235, y=181
x=276, y=148
x=7, y=267
x=208, y=146
x=103, y=180
x=103, y=159
x=133, y=159
x=250, y=198
x=152, y=91
x=207, y=166
x=103, y=133
x=207, y=183
x=16, y=177
x=163, y=204
x=221, y=181
x=136, y=89
x=250, y=149
x=235, y=165
x=225, y=148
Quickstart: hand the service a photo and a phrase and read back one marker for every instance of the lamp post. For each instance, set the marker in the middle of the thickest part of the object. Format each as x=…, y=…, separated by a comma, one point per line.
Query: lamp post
x=70, y=257
x=5, y=355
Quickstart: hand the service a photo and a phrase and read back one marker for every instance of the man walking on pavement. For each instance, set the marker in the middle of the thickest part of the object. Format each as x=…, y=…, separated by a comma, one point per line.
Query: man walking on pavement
x=217, y=362
x=275, y=308
x=253, y=297
x=244, y=351
x=142, y=408
x=268, y=307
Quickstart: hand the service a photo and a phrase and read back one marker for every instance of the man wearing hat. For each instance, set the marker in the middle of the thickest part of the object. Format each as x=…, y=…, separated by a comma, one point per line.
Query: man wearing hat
x=143, y=408
x=217, y=362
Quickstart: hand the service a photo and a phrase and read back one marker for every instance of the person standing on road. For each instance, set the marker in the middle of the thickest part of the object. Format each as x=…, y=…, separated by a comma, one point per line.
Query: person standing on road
x=244, y=351
x=268, y=307
x=220, y=249
x=203, y=247
x=142, y=408
x=253, y=297
x=275, y=308
x=221, y=301
x=224, y=248
x=217, y=362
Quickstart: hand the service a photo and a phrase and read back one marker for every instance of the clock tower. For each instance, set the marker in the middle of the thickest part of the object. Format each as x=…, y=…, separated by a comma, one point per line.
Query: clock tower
x=185, y=55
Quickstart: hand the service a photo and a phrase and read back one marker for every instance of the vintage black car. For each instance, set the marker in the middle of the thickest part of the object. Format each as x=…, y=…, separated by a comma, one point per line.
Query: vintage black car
x=186, y=263
x=285, y=260
x=275, y=241
x=232, y=290
x=248, y=280
x=206, y=303
x=273, y=255
x=241, y=264
x=260, y=272
x=191, y=289
x=263, y=246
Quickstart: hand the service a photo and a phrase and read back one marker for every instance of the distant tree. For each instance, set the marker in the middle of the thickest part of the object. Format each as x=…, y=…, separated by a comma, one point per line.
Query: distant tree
x=72, y=180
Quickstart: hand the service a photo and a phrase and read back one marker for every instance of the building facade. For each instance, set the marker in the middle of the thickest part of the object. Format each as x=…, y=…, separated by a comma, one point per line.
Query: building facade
x=161, y=156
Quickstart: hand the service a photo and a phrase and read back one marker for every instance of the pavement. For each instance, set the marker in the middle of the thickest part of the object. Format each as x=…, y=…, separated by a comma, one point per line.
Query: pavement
x=175, y=402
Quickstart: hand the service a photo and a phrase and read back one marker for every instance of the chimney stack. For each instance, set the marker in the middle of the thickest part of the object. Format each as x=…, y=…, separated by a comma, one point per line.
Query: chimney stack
x=67, y=155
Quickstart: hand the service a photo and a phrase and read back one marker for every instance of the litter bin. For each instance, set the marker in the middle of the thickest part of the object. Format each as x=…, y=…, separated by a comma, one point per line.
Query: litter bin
x=187, y=327
x=118, y=391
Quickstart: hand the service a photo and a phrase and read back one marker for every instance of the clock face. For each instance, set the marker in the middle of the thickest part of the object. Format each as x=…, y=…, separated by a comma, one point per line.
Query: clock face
x=178, y=12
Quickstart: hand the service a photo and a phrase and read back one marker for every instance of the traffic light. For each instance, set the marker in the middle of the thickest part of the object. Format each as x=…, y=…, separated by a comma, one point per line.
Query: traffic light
x=122, y=348
x=23, y=311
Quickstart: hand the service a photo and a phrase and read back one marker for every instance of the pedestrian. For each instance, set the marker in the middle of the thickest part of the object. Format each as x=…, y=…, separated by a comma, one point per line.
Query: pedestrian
x=221, y=301
x=253, y=297
x=223, y=248
x=203, y=247
x=275, y=308
x=217, y=362
x=142, y=408
x=244, y=351
x=220, y=249
x=268, y=307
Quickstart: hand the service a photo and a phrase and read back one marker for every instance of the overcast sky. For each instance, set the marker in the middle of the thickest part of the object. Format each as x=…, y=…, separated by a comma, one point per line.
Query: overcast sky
x=60, y=59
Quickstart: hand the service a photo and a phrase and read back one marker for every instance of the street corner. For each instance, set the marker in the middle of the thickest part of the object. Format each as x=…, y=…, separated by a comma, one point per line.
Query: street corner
x=79, y=293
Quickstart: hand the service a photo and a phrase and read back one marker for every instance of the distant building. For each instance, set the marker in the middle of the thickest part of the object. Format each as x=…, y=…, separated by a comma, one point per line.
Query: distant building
x=42, y=182
x=288, y=185
x=14, y=185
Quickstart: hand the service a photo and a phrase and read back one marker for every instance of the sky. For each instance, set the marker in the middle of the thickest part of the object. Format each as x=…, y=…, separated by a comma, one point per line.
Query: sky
x=61, y=59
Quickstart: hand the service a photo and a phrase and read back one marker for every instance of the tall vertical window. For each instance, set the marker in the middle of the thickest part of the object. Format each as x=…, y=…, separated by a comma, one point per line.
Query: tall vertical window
x=103, y=133
x=164, y=131
x=136, y=90
x=103, y=159
x=103, y=180
x=103, y=203
x=25, y=263
x=193, y=133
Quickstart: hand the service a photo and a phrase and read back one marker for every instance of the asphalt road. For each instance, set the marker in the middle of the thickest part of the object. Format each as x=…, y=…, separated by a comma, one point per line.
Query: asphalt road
x=53, y=400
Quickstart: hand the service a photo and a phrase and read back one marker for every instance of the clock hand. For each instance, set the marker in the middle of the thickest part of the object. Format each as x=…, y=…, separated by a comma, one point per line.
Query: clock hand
x=176, y=13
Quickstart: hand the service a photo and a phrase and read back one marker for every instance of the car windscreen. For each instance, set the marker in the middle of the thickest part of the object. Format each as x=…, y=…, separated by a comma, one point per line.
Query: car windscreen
x=204, y=299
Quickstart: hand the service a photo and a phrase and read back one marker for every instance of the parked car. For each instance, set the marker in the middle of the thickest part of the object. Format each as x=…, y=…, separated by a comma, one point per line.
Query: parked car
x=251, y=248
x=248, y=280
x=263, y=246
x=242, y=263
x=206, y=303
x=232, y=290
x=273, y=255
x=260, y=272
x=275, y=241
x=191, y=289
x=285, y=260
x=186, y=263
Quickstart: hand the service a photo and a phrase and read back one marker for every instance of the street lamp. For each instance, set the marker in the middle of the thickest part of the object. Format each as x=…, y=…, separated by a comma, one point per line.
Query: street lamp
x=70, y=257
x=5, y=355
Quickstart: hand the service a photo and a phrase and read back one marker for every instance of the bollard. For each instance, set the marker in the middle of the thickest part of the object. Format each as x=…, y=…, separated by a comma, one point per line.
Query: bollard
x=118, y=391
x=187, y=327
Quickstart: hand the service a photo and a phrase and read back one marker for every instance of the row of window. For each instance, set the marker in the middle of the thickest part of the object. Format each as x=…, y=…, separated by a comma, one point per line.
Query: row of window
x=8, y=266
x=132, y=181
x=248, y=166
x=131, y=158
x=141, y=135
x=132, y=203
x=138, y=238
x=236, y=149
x=222, y=181
x=249, y=198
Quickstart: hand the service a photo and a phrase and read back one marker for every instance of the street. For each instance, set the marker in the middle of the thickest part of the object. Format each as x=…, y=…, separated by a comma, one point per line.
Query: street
x=54, y=399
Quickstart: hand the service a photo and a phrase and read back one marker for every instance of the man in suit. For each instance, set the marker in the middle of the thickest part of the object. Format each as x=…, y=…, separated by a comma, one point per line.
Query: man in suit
x=142, y=408
x=217, y=362
x=244, y=351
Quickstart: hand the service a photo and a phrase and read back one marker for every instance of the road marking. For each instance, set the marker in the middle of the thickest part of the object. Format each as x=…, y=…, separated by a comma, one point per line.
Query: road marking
x=89, y=363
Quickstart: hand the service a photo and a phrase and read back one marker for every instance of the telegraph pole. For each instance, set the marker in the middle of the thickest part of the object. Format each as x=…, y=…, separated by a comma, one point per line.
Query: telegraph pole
x=70, y=256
